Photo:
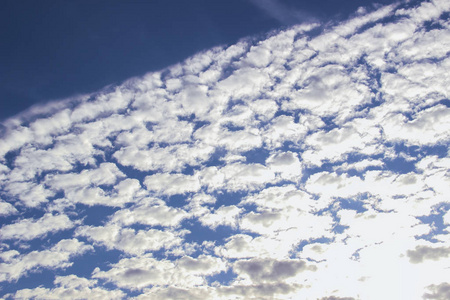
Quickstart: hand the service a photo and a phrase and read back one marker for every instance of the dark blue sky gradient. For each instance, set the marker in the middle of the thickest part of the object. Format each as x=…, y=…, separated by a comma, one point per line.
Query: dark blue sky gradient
x=57, y=49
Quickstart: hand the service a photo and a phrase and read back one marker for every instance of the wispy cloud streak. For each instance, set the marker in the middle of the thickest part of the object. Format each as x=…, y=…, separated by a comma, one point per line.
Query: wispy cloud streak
x=282, y=13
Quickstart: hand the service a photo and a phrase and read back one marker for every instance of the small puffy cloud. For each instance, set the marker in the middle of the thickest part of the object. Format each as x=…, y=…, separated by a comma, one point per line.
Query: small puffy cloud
x=446, y=218
x=201, y=265
x=438, y=291
x=286, y=164
x=237, y=176
x=334, y=144
x=216, y=135
x=105, y=174
x=360, y=165
x=148, y=212
x=242, y=246
x=70, y=287
x=54, y=258
x=15, y=138
x=29, y=193
x=371, y=226
x=172, y=184
x=32, y=162
x=245, y=82
x=106, y=105
x=134, y=242
x=28, y=229
x=328, y=90
x=291, y=224
x=264, y=109
x=383, y=183
x=224, y=215
x=170, y=292
x=281, y=197
x=125, y=191
x=194, y=99
x=429, y=126
x=278, y=246
x=144, y=271
x=283, y=128
x=7, y=209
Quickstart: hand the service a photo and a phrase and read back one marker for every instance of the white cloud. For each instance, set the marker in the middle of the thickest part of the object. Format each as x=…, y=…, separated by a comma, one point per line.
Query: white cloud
x=236, y=176
x=28, y=229
x=383, y=183
x=224, y=215
x=56, y=257
x=7, y=209
x=286, y=164
x=137, y=273
x=172, y=184
x=70, y=287
x=287, y=197
x=278, y=245
x=334, y=144
x=360, y=165
x=32, y=162
x=170, y=158
x=149, y=212
x=194, y=293
x=429, y=126
x=283, y=128
x=29, y=193
x=128, y=240
x=243, y=83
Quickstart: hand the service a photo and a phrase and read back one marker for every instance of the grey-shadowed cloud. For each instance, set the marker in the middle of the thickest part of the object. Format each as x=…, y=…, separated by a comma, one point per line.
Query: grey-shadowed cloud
x=423, y=253
x=438, y=292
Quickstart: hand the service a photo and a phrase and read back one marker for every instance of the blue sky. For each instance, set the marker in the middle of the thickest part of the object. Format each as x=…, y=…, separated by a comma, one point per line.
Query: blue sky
x=239, y=150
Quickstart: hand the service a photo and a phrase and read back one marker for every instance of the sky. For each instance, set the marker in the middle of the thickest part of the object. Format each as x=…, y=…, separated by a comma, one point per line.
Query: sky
x=225, y=150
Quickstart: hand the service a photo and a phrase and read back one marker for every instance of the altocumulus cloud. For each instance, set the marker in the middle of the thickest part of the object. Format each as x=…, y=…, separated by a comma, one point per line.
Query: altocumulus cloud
x=310, y=164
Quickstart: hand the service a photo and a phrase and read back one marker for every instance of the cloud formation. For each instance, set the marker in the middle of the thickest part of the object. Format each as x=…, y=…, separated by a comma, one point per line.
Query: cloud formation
x=312, y=163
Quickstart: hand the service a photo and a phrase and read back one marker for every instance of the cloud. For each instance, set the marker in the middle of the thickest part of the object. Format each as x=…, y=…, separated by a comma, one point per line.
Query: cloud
x=7, y=209
x=267, y=270
x=260, y=291
x=422, y=253
x=70, y=287
x=237, y=176
x=224, y=215
x=130, y=241
x=439, y=292
x=149, y=212
x=16, y=265
x=144, y=271
x=172, y=184
x=29, y=193
x=282, y=13
x=29, y=229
